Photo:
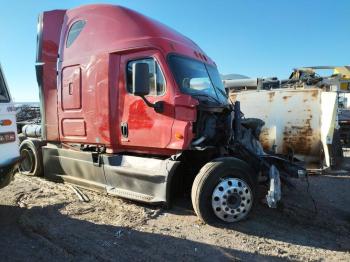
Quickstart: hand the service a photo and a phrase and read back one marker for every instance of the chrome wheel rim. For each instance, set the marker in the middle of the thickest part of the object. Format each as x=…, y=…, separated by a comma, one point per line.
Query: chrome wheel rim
x=27, y=164
x=232, y=199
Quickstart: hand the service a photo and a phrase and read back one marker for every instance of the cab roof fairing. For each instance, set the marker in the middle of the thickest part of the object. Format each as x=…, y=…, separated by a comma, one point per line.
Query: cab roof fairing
x=106, y=25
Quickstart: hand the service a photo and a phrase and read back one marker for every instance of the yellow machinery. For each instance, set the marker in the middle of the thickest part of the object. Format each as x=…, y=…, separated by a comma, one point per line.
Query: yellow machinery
x=344, y=73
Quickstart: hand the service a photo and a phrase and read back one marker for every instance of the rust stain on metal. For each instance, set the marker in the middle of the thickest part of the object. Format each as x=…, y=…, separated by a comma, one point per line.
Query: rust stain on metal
x=271, y=95
x=298, y=138
x=233, y=97
x=314, y=93
x=264, y=139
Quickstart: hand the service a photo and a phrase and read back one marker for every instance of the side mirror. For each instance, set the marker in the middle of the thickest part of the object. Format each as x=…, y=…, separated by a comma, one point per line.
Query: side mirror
x=140, y=79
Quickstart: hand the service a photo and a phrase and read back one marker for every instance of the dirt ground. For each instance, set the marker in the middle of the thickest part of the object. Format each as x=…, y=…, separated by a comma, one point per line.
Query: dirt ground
x=42, y=220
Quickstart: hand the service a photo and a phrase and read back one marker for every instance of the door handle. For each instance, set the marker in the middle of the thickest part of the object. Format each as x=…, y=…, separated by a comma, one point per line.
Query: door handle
x=124, y=129
x=70, y=89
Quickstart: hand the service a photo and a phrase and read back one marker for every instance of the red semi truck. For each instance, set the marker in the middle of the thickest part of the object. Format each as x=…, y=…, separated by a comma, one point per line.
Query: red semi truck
x=132, y=107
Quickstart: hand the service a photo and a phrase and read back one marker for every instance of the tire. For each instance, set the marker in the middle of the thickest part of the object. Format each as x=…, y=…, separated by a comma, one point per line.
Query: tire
x=238, y=187
x=5, y=180
x=31, y=163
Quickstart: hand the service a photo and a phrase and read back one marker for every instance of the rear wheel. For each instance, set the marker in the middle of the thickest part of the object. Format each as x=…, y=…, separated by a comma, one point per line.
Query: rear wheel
x=224, y=191
x=31, y=163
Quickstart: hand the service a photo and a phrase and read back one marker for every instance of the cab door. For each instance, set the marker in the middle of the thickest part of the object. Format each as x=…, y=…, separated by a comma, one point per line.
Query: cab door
x=141, y=128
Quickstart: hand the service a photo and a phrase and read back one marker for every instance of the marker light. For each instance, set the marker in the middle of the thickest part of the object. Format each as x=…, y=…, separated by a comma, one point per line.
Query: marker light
x=5, y=122
x=179, y=136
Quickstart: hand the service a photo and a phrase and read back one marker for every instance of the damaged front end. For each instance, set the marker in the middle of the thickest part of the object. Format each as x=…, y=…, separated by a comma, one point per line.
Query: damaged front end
x=223, y=127
x=274, y=169
x=213, y=126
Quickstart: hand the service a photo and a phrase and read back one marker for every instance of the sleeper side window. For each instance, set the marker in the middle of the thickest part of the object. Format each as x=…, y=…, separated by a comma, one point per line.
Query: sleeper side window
x=74, y=32
x=156, y=79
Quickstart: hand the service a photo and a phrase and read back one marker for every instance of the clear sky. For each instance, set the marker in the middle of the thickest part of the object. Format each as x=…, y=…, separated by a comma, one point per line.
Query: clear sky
x=250, y=37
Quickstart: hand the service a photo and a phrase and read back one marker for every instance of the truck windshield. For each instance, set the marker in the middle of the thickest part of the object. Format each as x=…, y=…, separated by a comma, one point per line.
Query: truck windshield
x=4, y=97
x=198, y=79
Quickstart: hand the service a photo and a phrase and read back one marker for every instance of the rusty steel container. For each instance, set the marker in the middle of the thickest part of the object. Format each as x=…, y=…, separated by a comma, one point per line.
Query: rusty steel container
x=297, y=121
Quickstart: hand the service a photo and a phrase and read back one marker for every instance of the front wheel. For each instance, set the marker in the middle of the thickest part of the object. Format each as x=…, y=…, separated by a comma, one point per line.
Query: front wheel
x=224, y=191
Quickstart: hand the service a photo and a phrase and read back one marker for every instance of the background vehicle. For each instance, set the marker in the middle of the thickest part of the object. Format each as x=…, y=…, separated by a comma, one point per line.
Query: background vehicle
x=9, y=153
x=140, y=111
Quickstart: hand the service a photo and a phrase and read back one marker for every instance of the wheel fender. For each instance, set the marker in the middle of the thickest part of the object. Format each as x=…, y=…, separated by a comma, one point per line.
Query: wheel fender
x=238, y=162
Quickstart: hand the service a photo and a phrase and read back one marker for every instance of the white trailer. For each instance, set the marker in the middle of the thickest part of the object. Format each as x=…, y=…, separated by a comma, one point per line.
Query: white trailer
x=9, y=144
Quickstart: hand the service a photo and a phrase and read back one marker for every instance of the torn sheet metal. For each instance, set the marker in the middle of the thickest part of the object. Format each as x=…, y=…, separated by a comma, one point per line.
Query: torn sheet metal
x=274, y=194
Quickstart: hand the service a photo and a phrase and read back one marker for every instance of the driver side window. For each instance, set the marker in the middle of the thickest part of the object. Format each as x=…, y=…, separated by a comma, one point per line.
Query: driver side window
x=156, y=79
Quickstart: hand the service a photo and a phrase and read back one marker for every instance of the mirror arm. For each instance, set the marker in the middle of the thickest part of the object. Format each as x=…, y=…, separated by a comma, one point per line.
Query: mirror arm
x=157, y=106
x=148, y=103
